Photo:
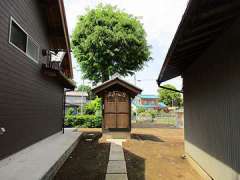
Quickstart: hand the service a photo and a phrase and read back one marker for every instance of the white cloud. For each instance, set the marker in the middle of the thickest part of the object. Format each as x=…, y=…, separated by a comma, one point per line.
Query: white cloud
x=160, y=19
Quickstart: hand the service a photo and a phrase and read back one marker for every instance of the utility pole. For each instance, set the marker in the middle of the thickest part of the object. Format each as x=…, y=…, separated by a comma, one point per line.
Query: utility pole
x=135, y=79
x=82, y=99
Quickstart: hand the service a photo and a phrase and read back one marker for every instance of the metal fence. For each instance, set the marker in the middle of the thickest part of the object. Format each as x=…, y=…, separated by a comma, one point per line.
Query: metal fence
x=161, y=119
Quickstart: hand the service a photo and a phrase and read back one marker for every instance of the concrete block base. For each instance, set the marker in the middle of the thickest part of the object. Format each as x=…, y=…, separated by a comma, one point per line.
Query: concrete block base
x=41, y=160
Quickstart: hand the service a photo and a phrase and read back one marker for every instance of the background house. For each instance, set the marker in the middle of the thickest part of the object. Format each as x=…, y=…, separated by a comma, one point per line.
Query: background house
x=32, y=85
x=206, y=52
x=148, y=102
x=75, y=100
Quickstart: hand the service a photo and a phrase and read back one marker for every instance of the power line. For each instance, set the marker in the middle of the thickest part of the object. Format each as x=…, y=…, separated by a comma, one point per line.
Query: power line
x=139, y=80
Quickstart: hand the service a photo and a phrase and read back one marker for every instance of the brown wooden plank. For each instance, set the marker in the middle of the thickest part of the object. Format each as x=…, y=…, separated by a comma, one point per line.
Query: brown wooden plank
x=122, y=120
x=110, y=107
x=110, y=121
x=122, y=107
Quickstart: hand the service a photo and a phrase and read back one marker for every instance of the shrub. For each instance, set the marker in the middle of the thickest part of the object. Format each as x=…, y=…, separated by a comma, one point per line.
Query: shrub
x=92, y=117
x=140, y=110
x=93, y=106
x=153, y=113
x=69, y=120
x=70, y=111
x=88, y=121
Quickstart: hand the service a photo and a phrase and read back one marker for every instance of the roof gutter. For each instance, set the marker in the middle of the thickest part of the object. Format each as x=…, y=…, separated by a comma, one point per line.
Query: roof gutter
x=61, y=77
x=170, y=89
x=174, y=42
x=65, y=29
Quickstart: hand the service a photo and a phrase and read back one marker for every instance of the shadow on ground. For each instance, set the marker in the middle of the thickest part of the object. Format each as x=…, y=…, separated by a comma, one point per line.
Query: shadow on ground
x=135, y=166
x=88, y=161
x=144, y=137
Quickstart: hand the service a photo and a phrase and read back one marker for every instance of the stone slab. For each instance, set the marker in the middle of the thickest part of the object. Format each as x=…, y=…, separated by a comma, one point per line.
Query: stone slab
x=116, y=156
x=116, y=167
x=115, y=147
x=116, y=177
x=41, y=160
x=116, y=141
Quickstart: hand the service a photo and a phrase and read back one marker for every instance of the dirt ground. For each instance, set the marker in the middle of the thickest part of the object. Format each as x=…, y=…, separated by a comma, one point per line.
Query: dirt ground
x=89, y=159
x=155, y=154
x=151, y=154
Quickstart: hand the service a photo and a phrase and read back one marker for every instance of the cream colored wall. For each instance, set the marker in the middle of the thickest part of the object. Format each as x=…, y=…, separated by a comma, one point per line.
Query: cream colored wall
x=215, y=168
x=211, y=107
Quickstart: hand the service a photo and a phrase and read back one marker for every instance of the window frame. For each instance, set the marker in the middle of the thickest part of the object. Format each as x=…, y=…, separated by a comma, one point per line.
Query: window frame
x=28, y=37
x=38, y=48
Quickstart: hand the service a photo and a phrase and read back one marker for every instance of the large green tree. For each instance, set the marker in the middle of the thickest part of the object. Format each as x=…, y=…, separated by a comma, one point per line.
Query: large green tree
x=106, y=41
x=84, y=88
x=169, y=97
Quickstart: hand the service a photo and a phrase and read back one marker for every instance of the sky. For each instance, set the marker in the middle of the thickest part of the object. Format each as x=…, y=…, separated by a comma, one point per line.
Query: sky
x=160, y=19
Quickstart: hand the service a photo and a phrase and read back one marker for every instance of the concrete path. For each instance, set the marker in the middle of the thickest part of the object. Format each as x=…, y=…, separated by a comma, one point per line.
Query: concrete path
x=41, y=160
x=116, y=169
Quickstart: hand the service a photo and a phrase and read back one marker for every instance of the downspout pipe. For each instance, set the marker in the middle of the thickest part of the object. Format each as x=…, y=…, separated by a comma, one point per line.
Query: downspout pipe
x=64, y=107
x=170, y=89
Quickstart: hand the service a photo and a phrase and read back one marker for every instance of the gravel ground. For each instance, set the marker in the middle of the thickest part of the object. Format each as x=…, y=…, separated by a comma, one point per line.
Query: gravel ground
x=155, y=154
x=89, y=159
x=151, y=154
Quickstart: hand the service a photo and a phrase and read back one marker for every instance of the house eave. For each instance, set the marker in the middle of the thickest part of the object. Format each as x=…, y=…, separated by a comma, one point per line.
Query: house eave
x=60, y=76
x=202, y=23
x=58, y=32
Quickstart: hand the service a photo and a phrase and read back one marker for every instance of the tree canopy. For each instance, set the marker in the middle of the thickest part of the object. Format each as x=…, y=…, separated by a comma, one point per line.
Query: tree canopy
x=87, y=89
x=84, y=88
x=169, y=97
x=106, y=41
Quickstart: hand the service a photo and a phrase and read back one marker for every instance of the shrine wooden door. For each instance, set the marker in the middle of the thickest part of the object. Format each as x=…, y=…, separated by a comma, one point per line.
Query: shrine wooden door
x=116, y=110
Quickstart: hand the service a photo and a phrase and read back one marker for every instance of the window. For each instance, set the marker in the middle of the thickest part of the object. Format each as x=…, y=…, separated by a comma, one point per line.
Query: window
x=32, y=49
x=22, y=41
x=18, y=37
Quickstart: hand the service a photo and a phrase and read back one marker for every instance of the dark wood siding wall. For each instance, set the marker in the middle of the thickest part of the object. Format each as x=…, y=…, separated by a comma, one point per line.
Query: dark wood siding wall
x=212, y=101
x=31, y=105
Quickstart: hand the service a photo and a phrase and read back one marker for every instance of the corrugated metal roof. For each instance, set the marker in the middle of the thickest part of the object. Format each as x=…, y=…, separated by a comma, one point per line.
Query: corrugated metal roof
x=147, y=96
x=76, y=100
x=76, y=93
x=160, y=105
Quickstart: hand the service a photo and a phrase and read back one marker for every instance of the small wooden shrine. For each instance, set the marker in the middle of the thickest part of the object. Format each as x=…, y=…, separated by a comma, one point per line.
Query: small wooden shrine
x=116, y=96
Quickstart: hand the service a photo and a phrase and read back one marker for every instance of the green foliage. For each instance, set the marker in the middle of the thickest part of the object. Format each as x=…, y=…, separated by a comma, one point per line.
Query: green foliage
x=153, y=113
x=140, y=110
x=87, y=89
x=149, y=112
x=84, y=88
x=92, y=117
x=93, y=106
x=144, y=113
x=87, y=121
x=169, y=97
x=106, y=41
x=70, y=111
